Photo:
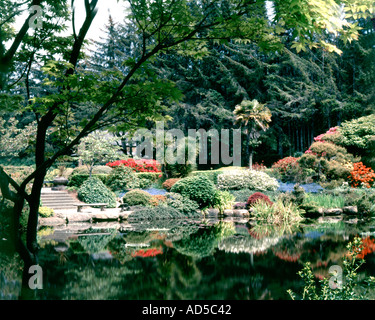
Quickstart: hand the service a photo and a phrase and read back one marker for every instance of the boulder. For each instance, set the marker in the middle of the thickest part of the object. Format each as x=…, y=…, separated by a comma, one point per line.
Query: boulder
x=51, y=221
x=333, y=212
x=124, y=215
x=241, y=212
x=331, y=219
x=105, y=216
x=78, y=217
x=350, y=210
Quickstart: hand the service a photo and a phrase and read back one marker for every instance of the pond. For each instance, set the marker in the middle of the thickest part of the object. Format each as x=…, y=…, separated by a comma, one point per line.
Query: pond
x=212, y=258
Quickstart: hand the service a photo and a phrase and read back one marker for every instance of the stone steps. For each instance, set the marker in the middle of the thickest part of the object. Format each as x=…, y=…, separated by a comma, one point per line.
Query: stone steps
x=58, y=199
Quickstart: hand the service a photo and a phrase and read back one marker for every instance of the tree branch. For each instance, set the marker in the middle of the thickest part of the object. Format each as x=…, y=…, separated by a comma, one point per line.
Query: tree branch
x=8, y=56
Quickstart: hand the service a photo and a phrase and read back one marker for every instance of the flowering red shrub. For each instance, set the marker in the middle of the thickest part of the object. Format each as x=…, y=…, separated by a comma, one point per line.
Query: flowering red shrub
x=286, y=164
x=141, y=165
x=147, y=253
x=361, y=174
x=258, y=196
x=259, y=166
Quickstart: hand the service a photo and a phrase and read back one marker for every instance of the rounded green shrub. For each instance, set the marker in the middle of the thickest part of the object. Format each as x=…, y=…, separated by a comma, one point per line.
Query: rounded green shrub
x=137, y=197
x=199, y=189
x=246, y=179
x=177, y=201
x=76, y=180
x=93, y=190
x=122, y=178
x=46, y=212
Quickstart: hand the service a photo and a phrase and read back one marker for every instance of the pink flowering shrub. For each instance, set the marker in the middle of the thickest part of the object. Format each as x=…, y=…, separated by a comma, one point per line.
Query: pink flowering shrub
x=320, y=138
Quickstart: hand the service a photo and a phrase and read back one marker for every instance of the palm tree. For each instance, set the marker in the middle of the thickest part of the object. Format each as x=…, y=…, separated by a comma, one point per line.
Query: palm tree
x=254, y=117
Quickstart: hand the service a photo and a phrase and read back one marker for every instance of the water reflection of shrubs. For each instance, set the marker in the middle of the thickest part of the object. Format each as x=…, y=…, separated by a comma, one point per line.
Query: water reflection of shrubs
x=203, y=242
x=347, y=286
x=95, y=243
x=159, y=212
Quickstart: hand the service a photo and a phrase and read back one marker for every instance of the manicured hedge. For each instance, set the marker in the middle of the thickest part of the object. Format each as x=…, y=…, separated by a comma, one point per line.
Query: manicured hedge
x=78, y=179
x=152, y=176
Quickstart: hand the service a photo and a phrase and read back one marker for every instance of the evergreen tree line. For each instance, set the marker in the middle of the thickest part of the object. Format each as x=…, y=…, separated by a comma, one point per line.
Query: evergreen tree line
x=307, y=92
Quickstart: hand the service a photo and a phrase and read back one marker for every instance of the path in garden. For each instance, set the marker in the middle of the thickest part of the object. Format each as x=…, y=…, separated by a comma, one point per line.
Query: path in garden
x=58, y=199
x=64, y=205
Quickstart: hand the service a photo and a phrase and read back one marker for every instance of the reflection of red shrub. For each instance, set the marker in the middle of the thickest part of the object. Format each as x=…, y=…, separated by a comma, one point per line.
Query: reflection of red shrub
x=368, y=246
x=147, y=253
x=141, y=165
x=258, y=196
x=285, y=255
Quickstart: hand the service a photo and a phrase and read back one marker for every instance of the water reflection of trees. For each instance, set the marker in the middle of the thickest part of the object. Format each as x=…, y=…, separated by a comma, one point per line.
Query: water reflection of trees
x=205, y=260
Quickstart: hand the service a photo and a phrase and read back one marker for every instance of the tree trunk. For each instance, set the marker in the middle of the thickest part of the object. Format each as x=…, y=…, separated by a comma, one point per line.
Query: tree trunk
x=251, y=159
x=249, y=152
x=280, y=144
x=290, y=139
x=297, y=139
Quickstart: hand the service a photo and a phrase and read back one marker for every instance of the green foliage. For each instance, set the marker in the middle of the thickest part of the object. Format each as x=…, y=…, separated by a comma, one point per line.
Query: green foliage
x=98, y=147
x=122, y=178
x=19, y=173
x=46, y=212
x=136, y=197
x=328, y=161
x=98, y=169
x=95, y=243
x=358, y=136
x=183, y=204
x=255, y=118
x=223, y=200
x=326, y=201
x=342, y=287
x=363, y=199
x=158, y=213
x=204, y=241
x=147, y=179
x=210, y=174
x=151, y=176
x=280, y=213
x=93, y=190
x=199, y=189
x=14, y=140
x=358, y=133
x=77, y=180
x=246, y=179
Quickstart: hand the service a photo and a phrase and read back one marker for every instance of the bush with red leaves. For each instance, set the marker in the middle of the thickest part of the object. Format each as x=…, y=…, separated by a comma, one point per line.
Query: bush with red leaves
x=258, y=196
x=169, y=183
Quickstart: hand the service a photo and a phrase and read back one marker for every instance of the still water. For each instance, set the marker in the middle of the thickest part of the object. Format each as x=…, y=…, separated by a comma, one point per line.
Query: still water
x=207, y=259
